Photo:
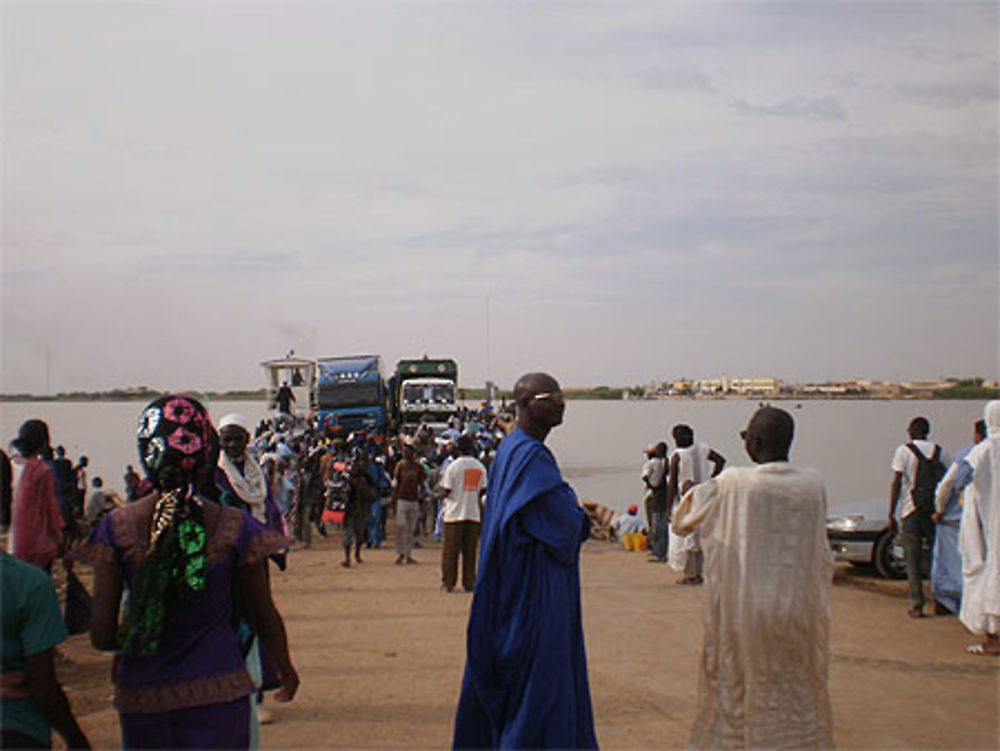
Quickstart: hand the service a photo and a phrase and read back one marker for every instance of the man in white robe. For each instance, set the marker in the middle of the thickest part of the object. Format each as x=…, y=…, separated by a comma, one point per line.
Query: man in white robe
x=689, y=466
x=768, y=571
x=979, y=534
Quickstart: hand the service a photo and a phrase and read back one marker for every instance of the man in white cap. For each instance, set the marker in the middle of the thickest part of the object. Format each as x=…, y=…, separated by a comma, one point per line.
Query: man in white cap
x=979, y=534
x=239, y=477
x=243, y=484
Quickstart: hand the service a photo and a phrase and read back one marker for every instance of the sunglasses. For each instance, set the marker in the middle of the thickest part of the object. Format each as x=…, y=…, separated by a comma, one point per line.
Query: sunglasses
x=744, y=434
x=555, y=397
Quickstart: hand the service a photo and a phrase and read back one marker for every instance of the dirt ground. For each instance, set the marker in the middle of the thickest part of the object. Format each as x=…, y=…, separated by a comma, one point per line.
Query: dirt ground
x=380, y=649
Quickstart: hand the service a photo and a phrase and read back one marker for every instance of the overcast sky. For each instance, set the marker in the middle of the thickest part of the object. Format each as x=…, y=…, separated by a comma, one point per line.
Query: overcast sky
x=614, y=193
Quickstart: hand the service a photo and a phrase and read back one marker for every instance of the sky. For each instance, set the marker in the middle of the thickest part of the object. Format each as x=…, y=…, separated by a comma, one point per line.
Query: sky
x=614, y=193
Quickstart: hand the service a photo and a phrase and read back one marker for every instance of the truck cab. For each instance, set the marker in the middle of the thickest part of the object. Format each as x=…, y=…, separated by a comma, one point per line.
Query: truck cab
x=425, y=390
x=350, y=393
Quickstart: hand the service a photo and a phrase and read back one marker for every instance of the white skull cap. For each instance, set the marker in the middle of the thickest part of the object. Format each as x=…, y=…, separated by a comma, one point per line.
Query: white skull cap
x=240, y=421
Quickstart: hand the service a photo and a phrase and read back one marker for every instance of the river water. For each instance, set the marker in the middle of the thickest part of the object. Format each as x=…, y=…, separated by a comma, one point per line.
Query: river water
x=599, y=446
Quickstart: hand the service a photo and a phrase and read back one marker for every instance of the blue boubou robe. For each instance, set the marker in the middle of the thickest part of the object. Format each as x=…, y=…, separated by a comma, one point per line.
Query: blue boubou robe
x=525, y=683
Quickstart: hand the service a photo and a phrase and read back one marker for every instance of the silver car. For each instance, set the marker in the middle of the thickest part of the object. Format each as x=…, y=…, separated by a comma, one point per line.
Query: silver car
x=859, y=533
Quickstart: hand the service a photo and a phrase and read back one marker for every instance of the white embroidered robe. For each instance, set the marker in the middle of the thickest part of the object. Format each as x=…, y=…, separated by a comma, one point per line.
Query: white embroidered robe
x=768, y=572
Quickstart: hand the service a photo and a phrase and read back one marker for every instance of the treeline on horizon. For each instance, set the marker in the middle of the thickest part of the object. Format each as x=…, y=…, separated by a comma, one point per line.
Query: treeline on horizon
x=968, y=388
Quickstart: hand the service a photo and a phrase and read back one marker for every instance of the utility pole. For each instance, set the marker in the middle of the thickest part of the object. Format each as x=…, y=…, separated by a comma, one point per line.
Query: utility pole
x=489, y=351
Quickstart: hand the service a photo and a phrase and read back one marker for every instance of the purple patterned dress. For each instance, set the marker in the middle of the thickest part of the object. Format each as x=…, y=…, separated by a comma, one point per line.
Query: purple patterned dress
x=194, y=688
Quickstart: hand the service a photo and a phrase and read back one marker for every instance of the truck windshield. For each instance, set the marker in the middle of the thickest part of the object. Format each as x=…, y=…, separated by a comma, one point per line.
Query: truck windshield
x=349, y=395
x=420, y=393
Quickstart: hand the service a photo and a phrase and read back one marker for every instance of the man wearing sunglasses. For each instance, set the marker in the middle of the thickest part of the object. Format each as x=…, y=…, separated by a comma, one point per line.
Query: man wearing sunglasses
x=525, y=683
x=768, y=570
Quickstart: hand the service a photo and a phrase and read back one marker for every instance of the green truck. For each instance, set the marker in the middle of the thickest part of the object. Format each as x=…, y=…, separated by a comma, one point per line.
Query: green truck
x=424, y=389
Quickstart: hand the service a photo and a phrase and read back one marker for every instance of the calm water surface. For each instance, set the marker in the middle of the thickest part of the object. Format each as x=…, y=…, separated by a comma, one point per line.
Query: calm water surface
x=599, y=445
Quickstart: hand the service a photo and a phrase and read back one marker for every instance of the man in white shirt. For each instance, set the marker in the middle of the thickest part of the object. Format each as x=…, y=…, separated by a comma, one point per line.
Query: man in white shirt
x=654, y=475
x=462, y=487
x=915, y=512
x=688, y=468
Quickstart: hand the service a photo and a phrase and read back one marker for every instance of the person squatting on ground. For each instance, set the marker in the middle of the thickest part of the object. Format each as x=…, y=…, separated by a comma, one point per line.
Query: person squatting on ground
x=525, y=682
x=768, y=570
x=627, y=527
x=688, y=467
x=100, y=501
x=462, y=487
x=917, y=466
x=979, y=535
x=179, y=675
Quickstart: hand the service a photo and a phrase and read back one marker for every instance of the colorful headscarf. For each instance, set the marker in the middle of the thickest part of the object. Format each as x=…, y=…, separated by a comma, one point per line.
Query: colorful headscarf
x=176, y=434
x=176, y=430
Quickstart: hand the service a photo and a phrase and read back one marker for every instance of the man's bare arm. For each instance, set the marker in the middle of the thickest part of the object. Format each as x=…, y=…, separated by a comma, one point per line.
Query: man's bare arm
x=897, y=484
x=718, y=460
x=46, y=692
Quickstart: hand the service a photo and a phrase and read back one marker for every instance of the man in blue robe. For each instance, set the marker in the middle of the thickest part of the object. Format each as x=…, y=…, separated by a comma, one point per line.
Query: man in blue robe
x=946, y=560
x=525, y=683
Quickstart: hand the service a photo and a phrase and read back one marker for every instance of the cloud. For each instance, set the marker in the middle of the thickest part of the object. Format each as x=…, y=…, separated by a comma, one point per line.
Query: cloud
x=827, y=109
x=950, y=94
x=216, y=263
x=673, y=79
x=340, y=177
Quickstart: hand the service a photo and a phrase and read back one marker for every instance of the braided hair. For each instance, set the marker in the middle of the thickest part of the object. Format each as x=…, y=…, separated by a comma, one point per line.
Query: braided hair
x=177, y=445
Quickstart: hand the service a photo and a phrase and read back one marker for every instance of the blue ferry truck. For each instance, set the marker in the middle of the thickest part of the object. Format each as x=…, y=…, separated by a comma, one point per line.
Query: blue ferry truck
x=351, y=394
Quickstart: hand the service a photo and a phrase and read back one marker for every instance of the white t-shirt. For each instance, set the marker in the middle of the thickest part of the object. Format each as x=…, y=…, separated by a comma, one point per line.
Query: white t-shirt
x=628, y=524
x=692, y=465
x=464, y=478
x=904, y=462
x=654, y=470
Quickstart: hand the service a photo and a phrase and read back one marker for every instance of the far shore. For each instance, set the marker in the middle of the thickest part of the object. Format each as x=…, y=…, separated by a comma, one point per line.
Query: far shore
x=473, y=396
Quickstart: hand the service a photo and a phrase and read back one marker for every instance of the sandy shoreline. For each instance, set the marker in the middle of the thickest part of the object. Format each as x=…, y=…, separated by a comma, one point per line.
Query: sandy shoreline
x=380, y=650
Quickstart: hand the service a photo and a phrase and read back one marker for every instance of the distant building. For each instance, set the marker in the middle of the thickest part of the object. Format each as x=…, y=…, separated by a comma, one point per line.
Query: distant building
x=761, y=386
x=925, y=388
x=712, y=385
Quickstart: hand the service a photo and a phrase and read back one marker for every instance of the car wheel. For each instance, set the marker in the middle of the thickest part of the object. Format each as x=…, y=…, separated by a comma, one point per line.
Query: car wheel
x=888, y=564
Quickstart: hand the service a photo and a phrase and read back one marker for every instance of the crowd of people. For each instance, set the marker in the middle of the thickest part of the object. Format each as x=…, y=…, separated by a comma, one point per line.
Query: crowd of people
x=196, y=541
x=315, y=477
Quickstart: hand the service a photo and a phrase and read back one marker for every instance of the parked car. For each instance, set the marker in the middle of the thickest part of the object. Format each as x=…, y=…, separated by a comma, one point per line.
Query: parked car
x=859, y=533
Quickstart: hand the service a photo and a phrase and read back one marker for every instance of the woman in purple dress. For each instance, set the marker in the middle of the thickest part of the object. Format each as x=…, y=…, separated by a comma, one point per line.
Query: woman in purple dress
x=180, y=680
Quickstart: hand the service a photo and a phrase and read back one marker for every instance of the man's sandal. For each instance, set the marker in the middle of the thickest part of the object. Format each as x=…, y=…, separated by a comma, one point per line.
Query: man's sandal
x=981, y=651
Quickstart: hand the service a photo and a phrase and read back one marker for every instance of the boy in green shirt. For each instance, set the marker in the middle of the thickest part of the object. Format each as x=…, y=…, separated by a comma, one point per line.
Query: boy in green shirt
x=31, y=700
